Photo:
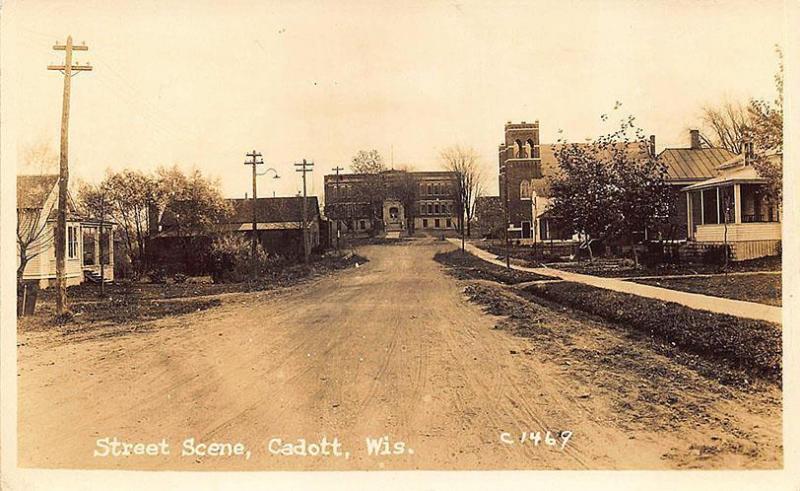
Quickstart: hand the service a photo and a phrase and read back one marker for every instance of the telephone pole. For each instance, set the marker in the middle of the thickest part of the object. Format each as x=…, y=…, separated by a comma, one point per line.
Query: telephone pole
x=255, y=159
x=305, y=167
x=336, y=205
x=63, y=170
x=507, y=214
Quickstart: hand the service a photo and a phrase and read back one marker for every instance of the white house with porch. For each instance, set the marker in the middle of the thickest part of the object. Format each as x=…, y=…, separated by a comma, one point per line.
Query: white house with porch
x=733, y=207
x=36, y=219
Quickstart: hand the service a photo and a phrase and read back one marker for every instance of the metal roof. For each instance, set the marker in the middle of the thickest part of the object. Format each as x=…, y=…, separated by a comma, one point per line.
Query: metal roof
x=687, y=164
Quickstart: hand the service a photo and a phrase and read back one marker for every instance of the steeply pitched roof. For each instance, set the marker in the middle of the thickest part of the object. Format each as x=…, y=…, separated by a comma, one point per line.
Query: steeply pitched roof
x=273, y=210
x=32, y=191
x=687, y=164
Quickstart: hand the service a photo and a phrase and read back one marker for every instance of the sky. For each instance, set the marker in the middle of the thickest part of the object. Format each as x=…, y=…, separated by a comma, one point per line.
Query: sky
x=199, y=84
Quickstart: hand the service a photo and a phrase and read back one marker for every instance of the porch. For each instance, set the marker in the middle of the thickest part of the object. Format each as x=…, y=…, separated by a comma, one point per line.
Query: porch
x=742, y=210
x=98, y=251
x=735, y=209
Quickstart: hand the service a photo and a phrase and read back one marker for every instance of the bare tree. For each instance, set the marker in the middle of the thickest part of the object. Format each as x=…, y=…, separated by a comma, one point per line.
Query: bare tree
x=727, y=125
x=40, y=157
x=465, y=163
x=33, y=236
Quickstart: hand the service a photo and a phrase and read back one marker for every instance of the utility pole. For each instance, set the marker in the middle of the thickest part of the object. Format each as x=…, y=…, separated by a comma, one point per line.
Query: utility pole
x=336, y=204
x=507, y=214
x=255, y=159
x=63, y=170
x=305, y=167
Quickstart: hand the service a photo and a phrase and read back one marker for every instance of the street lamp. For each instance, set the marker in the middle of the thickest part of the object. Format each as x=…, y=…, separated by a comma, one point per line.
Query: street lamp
x=276, y=176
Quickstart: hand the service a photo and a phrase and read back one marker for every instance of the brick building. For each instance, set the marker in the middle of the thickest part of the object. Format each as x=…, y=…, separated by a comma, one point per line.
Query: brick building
x=393, y=200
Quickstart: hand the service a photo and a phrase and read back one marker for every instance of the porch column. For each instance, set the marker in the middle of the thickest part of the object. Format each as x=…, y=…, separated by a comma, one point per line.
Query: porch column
x=737, y=203
x=97, y=240
x=719, y=220
x=110, y=251
x=689, y=233
x=702, y=207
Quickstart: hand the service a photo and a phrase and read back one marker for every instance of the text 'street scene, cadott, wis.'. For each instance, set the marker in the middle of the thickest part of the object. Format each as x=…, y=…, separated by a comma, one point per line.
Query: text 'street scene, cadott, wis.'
x=374, y=236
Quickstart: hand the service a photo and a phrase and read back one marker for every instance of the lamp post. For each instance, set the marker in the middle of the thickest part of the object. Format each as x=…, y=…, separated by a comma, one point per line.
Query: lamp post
x=256, y=160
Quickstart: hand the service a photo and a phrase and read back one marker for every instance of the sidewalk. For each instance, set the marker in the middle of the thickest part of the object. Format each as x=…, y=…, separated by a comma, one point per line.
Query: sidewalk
x=748, y=310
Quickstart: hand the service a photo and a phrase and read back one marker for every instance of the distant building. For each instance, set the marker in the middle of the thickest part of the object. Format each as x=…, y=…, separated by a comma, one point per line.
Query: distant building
x=392, y=201
x=37, y=201
x=519, y=164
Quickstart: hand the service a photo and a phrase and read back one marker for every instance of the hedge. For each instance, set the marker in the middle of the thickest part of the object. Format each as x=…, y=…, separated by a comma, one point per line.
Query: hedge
x=752, y=345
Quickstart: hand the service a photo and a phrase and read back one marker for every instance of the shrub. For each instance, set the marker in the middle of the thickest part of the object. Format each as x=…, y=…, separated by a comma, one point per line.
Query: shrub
x=158, y=275
x=179, y=278
x=232, y=260
x=751, y=345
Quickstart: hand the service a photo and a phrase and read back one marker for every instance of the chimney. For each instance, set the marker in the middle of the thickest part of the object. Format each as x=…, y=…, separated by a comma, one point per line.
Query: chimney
x=694, y=139
x=749, y=153
x=653, y=145
x=153, y=225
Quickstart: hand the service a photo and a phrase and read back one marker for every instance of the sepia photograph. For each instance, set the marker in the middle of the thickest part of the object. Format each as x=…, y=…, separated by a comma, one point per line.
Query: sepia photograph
x=514, y=235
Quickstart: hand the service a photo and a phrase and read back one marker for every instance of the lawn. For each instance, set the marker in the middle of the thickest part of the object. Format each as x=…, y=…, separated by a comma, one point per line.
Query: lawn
x=526, y=255
x=624, y=268
x=760, y=288
x=464, y=265
x=744, y=345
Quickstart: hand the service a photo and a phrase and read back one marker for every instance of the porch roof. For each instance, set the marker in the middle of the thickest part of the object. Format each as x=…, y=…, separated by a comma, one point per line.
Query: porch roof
x=744, y=174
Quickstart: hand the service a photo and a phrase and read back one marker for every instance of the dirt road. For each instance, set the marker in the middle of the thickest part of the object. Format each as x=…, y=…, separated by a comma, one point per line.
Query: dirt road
x=390, y=348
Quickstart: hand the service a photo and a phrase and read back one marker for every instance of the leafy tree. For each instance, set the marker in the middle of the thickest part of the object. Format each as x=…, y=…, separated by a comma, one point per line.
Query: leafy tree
x=194, y=201
x=643, y=197
x=766, y=133
x=368, y=162
x=465, y=164
x=372, y=188
x=131, y=193
x=490, y=216
x=403, y=187
x=612, y=187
